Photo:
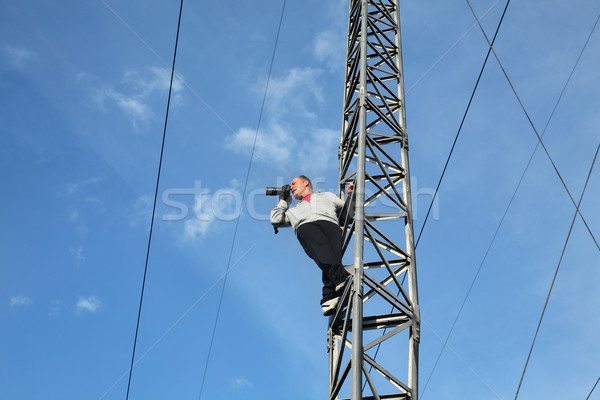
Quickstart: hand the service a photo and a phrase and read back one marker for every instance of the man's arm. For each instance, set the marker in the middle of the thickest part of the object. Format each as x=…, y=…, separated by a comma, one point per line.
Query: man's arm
x=278, y=214
x=346, y=214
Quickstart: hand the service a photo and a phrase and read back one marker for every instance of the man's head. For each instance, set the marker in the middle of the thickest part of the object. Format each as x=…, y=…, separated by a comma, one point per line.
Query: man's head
x=301, y=186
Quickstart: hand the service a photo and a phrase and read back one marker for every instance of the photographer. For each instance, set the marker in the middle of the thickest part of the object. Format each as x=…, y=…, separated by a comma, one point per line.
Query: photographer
x=315, y=222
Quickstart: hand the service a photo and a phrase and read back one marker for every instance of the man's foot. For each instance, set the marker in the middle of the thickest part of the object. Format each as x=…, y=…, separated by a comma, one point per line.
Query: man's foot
x=329, y=306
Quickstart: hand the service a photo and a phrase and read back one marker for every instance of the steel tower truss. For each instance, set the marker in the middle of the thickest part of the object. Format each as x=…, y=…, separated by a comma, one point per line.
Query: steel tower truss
x=379, y=312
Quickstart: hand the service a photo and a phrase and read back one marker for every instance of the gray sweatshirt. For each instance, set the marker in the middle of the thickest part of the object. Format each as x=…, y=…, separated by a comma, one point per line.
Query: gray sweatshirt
x=323, y=206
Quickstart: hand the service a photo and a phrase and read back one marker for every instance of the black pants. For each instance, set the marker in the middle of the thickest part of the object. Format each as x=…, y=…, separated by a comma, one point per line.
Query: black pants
x=322, y=241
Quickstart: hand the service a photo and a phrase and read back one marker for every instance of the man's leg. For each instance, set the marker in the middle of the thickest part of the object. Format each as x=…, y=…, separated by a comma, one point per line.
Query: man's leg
x=323, y=245
x=322, y=241
x=338, y=273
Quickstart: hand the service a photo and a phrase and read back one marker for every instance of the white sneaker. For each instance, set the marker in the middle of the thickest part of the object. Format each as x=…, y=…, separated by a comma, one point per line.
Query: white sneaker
x=329, y=306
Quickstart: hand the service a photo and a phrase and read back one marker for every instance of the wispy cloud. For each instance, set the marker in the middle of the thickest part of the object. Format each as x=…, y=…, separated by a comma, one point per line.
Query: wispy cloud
x=195, y=229
x=78, y=202
x=73, y=215
x=197, y=225
x=18, y=301
x=77, y=252
x=134, y=92
x=208, y=207
x=328, y=48
x=87, y=304
x=274, y=143
x=294, y=91
x=131, y=105
x=18, y=57
x=294, y=101
x=141, y=212
x=206, y=212
x=240, y=383
x=73, y=188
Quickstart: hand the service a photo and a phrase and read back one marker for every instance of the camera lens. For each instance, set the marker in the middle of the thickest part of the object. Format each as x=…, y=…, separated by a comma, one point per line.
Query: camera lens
x=272, y=191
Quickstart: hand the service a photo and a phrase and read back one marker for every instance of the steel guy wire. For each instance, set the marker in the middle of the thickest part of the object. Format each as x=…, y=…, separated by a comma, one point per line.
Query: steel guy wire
x=440, y=58
x=593, y=388
x=534, y=128
x=462, y=360
x=183, y=81
x=162, y=149
x=237, y=223
x=178, y=321
x=440, y=181
x=220, y=118
x=556, y=272
x=511, y=201
x=460, y=126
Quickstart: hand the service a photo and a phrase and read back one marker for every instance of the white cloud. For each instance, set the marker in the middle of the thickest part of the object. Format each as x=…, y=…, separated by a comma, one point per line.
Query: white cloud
x=195, y=229
x=274, y=143
x=131, y=105
x=297, y=78
x=142, y=212
x=76, y=194
x=154, y=80
x=329, y=48
x=208, y=207
x=73, y=188
x=197, y=226
x=18, y=57
x=17, y=301
x=87, y=304
x=290, y=136
x=315, y=147
x=136, y=90
x=293, y=91
x=77, y=252
x=238, y=383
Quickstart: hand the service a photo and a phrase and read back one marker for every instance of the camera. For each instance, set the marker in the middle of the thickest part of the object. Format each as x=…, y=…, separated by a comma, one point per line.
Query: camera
x=283, y=191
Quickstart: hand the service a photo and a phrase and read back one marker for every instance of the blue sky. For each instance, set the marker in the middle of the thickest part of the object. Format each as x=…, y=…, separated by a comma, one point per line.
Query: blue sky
x=83, y=90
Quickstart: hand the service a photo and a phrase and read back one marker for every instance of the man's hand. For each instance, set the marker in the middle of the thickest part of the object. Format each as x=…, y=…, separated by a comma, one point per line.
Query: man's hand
x=350, y=188
x=289, y=199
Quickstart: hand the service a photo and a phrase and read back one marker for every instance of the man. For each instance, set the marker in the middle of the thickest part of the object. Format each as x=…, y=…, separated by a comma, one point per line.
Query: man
x=315, y=222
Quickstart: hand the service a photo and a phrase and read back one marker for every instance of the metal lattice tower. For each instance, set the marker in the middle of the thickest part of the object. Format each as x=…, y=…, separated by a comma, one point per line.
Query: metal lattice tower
x=376, y=325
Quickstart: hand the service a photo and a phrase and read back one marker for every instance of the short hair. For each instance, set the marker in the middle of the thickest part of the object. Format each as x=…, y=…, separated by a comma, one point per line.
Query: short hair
x=306, y=179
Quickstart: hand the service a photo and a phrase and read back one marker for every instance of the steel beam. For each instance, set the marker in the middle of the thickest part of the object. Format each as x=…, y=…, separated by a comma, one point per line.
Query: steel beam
x=373, y=154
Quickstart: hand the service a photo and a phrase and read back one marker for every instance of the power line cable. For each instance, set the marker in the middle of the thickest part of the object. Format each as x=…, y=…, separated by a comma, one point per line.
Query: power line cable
x=243, y=195
x=442, y=177
x=162, y=148
x=556, y=273
x=177, y=322
x=533, y=127
x=509, y=205
x=460, y=126
x=440, y=58
x=181, y=79
x=592, y=391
